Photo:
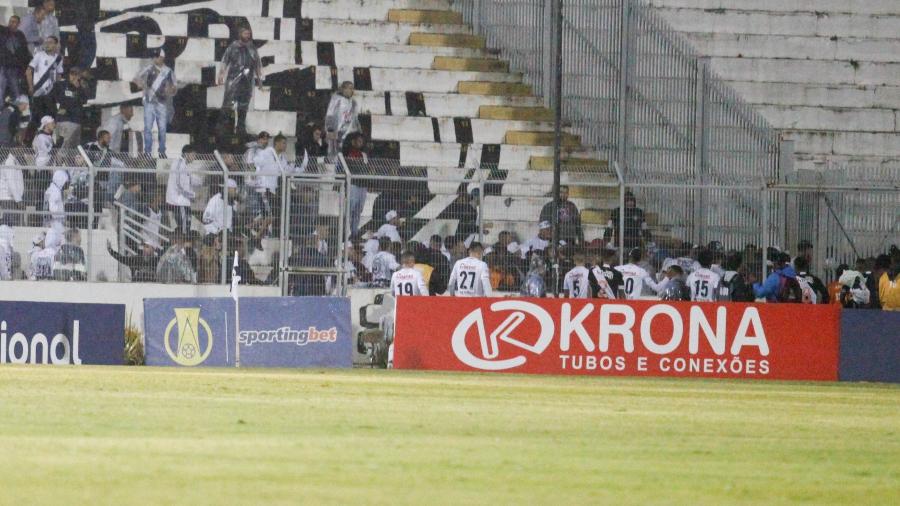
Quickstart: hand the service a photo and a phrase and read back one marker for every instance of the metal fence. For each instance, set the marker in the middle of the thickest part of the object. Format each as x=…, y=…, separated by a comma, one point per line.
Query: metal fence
x=632, y=88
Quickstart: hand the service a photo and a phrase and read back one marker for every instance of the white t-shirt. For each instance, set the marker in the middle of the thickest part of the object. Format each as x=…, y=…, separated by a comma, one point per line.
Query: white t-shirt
x=408, y=281
x=40, y=64
x=534, y=244
x=389, y=231
x=577, y=284
x=470, y=278
x=383, y=266
x=704, y=285
x=634, y=278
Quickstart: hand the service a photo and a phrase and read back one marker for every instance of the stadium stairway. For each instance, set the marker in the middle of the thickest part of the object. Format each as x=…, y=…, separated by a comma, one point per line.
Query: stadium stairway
x=431, y=94
x=826, y=72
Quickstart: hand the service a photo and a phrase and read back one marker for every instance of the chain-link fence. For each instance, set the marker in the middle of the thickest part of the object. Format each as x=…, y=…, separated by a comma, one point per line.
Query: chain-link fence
x=315, y=227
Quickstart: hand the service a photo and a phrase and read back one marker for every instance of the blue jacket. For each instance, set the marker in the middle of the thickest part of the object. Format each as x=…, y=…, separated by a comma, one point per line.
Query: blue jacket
x=769, y=288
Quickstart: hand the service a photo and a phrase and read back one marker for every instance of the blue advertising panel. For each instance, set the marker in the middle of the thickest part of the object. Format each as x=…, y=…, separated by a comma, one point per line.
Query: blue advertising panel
x=870, y=345
x=274, y=332
x=62, y=333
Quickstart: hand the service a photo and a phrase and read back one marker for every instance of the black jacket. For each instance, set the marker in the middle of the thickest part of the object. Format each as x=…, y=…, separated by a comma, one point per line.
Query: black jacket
x=70, y=101
x=13, y=49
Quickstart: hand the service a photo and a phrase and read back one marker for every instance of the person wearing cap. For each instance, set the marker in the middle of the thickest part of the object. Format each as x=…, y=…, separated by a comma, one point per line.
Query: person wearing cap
x=180, y=187
x=45, y=68
x=217, y=216
x=540, y=242
x=241, y=68
x=70, y=98
x=10, y=120
x=38, y=24
x=389, y=229
x=14, y=57
x=157, y=81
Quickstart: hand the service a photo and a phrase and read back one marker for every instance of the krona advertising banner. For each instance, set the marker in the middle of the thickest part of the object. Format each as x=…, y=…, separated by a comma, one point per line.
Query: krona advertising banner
x=274, y=332
x=621, y=338
x=62, y=333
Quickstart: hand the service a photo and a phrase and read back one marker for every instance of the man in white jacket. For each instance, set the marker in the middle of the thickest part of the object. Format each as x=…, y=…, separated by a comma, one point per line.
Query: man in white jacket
x=54, y=201
x=7, y=252
x=342, y=118
x=271, y=164
x=180, y=188
x=217, y=216
x=12, y=191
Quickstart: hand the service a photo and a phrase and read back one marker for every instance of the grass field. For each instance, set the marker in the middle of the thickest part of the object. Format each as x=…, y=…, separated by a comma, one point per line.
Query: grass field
x=162, y=436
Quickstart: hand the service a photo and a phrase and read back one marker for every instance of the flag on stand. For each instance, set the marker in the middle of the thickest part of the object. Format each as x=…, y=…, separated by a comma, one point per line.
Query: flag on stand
x=235, y=279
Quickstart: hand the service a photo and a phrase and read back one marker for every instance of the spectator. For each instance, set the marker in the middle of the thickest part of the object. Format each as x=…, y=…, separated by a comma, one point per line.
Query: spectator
x=210, y=259
x=635, y=277
x=70, y=98
x=271, y=164
x=43, y=142
x=384, y=262
x=534, y=285
x=142, y=266
x=45, y=68
x=805, y=250
x=12, y=191
x=68, y=264
x=86, y=16
x=255, y=147
x=676, y=288
x=389, y=229
x=14, y=58
x=175, y=265
x=118, y=126
x=54, y=198
x=540, y=242
x=569, y=218
x=635, y=224
x=180, y=188
x=357, y=164
x=734, y=287
x=307, y=255
x=703, y=283
x=781, y=285
x=342, y=118
x=43, y=254
x=873, y=280
x=854, y=293
x=40, y=24
x=440, y=264
x=154, y=220
x=606, y=280
x=889, y=287
x=217, y=216
x=10, y=121
x=159, y=85
x=240, y=70
x=505, y=263
x=316, y=147
x=131, y=197
x=814, y=291
x=7, y=252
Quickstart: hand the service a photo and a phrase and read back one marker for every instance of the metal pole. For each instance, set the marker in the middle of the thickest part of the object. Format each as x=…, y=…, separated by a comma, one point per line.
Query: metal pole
x=224, y=261
x=480, y=216
x=88, y=260
x=557, y=140
x=620, y=175
x=767, y=199
x=624, y=64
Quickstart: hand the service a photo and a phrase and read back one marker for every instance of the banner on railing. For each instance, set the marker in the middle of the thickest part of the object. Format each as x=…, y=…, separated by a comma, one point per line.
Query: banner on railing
x=274, y=332
x=62, y=333
x=634, y=338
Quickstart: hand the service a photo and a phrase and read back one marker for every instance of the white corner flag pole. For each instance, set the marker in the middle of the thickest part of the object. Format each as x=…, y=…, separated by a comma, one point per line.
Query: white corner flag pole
x=235, y=281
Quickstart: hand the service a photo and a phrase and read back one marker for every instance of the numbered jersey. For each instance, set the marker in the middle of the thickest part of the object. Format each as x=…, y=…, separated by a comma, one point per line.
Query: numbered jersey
x=470, y=278
x=704, y=285
x=577, y=283
x=634, y=277
x=407, y=281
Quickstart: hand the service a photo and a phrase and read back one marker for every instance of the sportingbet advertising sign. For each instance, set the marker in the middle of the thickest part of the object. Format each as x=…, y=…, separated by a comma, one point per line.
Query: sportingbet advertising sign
x=621, y=338
x=273, y=332
x=62, y=334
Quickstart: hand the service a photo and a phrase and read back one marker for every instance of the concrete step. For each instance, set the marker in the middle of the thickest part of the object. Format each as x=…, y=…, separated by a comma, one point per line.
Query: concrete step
x=505, y=156
x=821, y=118
x=470, y=64
x=805, y=24
x=795, y=48
x=806, y=6
x=483, y=131
x=339, y=30
x=446, y=40
x=540, y=138
x=439, y=104
x=515, y=113
x=425, y=16
x=818, y=95
x=472, y=87
x=806, y=71
x=571, y=165
x=886, y=144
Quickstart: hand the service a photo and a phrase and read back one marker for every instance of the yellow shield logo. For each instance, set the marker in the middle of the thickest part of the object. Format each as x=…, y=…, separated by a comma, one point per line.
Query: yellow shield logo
x=187, y=350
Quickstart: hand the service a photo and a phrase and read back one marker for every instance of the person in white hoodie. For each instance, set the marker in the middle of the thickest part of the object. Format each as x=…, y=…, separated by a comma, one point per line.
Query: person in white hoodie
x=180, y=189
x=54, y=201
x=12, y=191
x=271, y=164
x=342, y=118
x=217, y=216
x=42, y=259
x=7, y=252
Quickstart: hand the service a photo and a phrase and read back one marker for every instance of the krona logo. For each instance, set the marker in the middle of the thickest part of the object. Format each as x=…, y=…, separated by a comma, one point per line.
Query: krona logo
x=749, y=333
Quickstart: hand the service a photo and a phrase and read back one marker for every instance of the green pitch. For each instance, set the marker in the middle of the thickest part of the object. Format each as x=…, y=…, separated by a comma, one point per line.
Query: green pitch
x=162, y=436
